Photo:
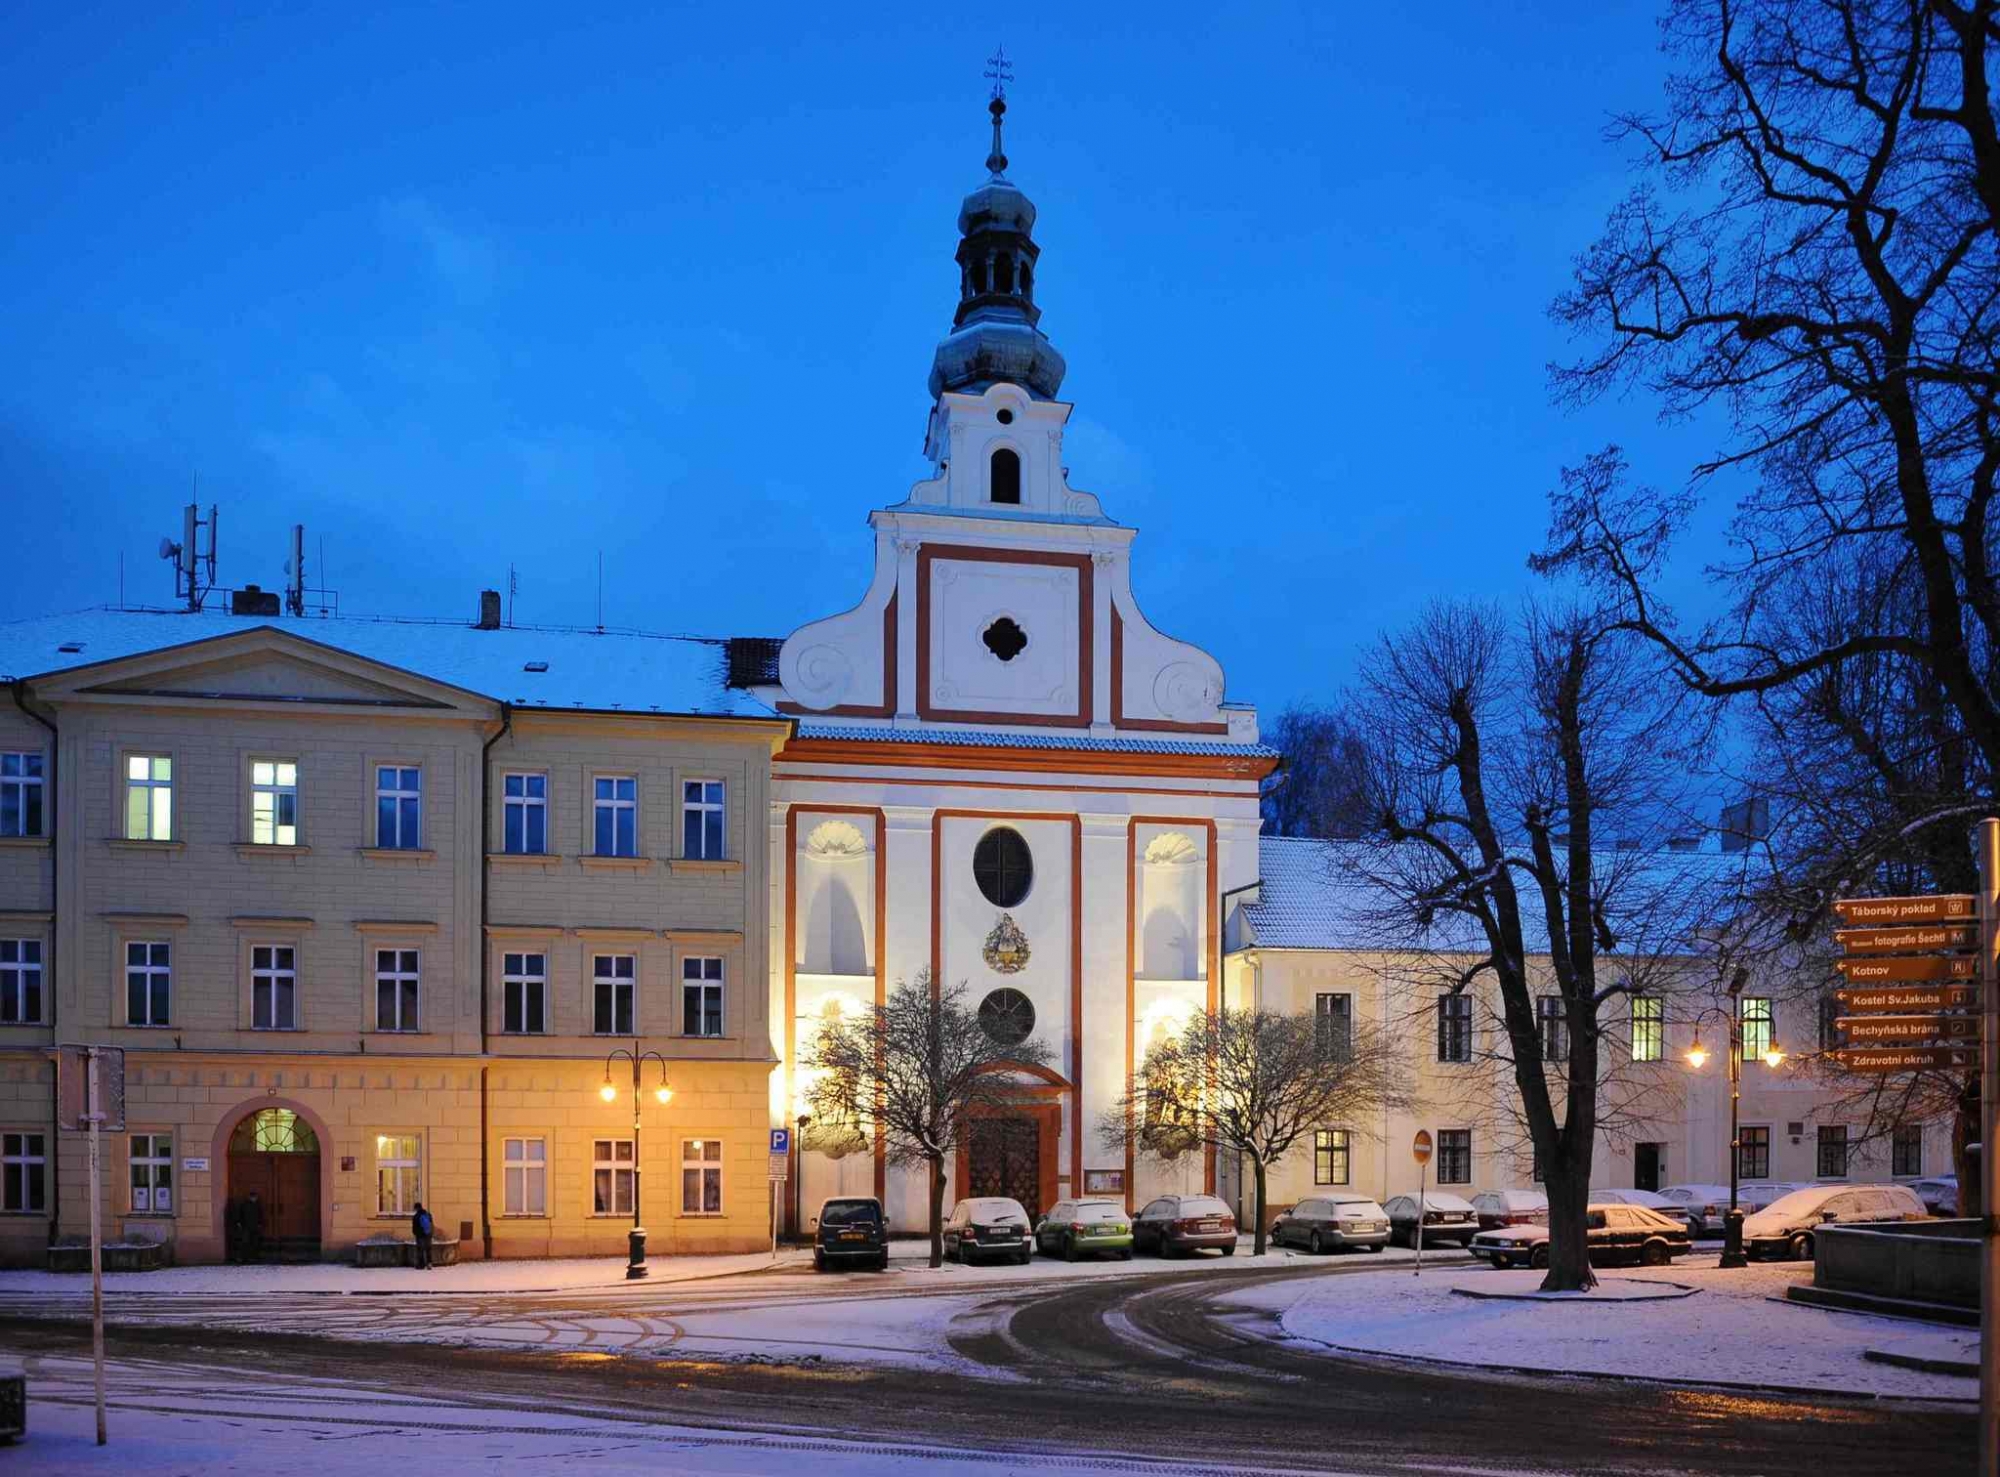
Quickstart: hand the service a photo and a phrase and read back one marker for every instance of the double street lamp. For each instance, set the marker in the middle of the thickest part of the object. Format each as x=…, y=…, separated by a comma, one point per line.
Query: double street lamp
x=636, y=1240
x=1732, y=1220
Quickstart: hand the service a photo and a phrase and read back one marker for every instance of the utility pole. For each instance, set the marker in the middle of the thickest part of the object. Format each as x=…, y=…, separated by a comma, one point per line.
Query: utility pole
x=94, y=1115
x=1989, y=1145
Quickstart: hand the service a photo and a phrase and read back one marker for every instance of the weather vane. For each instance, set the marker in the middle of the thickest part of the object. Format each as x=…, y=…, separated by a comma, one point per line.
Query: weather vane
x=1000, y=70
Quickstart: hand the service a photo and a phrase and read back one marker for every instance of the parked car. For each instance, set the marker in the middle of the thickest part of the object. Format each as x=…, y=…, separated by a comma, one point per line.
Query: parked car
x=1447, y=1218
x=1703, y=1205
x=851, y=1229
x=1939, y=1192
x=1618, y=1233
x=1650, y=1199
x=1756, y=1194
x=985, y=1228
x=1176, y=1225
x=1785, y=1227
x=1510, y=1208
x=1333, y=1223
x=1075, y=1228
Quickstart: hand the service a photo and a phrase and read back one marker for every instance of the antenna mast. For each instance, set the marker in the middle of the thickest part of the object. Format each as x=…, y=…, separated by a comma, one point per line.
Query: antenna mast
x=190, y=563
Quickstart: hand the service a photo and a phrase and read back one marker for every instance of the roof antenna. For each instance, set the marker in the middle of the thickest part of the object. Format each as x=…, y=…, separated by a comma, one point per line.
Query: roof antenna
x=600, y=592
x=513, y=589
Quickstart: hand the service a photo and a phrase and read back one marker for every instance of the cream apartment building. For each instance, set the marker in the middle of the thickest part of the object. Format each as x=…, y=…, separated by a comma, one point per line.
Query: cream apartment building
x=368, y=905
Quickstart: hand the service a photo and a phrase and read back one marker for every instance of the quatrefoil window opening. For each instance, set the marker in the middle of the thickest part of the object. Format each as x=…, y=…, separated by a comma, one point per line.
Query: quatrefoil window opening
x=1005, y=638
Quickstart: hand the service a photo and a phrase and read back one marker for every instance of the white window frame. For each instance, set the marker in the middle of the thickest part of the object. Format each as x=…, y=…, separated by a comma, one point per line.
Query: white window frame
x=518, y=977
x=402, y=1156
x=627, y=984
x=16, y=1158
x=274, y=972
x=624, y=1172
x=268, y=794
x=1765, y=1019
x=19, y=973
x=697, y=987
x=25, y=787
x=620, y=808
x=702, y=806
x=406, y=966
x=157, y=790
x=153, y=974
x=701, y=1168
x=1649, y=1032
x=528, y=807
x=395, y=790
x=524, y=1176
x=151, y=1174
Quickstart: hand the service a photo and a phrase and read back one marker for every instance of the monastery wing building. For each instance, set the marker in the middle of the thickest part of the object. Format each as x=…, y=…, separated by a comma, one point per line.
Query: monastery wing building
x=1002, y=776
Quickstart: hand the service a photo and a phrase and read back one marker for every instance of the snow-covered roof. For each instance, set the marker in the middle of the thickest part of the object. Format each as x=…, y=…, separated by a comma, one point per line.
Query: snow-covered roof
x=624, y=671
x=1042, y=739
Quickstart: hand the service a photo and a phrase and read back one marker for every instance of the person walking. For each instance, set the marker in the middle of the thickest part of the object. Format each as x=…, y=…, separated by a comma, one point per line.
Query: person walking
x=421, y=1227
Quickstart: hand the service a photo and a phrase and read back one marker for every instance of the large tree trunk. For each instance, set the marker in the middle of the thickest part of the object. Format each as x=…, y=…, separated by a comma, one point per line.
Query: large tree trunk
x=937, y=1210
x=1569, y=1232
x=1257, y=1234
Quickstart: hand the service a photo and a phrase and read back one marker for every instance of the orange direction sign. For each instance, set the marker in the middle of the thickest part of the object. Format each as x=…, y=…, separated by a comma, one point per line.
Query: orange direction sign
x=1420, y=1146
x=1907, y=940
x=1909, y=1029
x=1906, y=909
x=1906, y=971
x=1901, y=999
x=1905, y=1058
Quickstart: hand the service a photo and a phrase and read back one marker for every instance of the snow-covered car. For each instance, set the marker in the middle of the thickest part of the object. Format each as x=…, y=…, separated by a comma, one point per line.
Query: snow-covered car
x=1618, y=1233
x=1785, y=1227
x=987, y=1227
x=1939, y=1192
x=1651, y=1199
x=1703, y=1206
x=1754, y=1195
x=1326, y=1223
x=1447, y=1218
x=1510, y=1208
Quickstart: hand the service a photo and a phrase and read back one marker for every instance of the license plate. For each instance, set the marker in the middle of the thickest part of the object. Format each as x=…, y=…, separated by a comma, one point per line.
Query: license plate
x=853, y=1235
x=1209, y=1226
x=1003, y=1235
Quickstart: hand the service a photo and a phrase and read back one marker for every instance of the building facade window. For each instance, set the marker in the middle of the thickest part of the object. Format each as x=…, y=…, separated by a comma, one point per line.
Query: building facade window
x=149, y=984
x=152, y=1162
x=1649, y=1028
x=524, y=991
x=1454, y=1043
x=1754, y=1011
x=1333, y=1025
x=1454, y=1156
x=24, y=1169
x=398, y=989
x=149, y=797
x=20, y=982
x=525, y=1176
x=701, y=996
x=702, y=812
x=1552, y=1023
x=701, y=1176
x=612, y=977
x=1906, y=1150
x=21, y=791
x=1832, y=1151
x=1006, y=476
x=615, y=815
x=274, y=803
x=274, y=988
x=399, y=808
x=1002, y=867
x=611, y=1172
x=1330, y=1156
x=399, y=1173
x=1753, y=1153
x=525, y=814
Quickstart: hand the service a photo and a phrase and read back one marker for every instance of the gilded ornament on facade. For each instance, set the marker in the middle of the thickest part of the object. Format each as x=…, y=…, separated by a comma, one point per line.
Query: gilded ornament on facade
x=1006, y=948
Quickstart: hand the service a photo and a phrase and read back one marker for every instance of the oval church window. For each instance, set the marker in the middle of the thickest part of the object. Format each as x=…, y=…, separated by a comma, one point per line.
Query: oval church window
x=1007, y=1016
x=1002, y=867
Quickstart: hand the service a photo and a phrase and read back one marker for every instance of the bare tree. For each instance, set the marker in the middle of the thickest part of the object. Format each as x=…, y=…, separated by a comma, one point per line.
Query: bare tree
x=1322, y=788
x=1254, y=1082
x=1506, y=764
x=920, y=1068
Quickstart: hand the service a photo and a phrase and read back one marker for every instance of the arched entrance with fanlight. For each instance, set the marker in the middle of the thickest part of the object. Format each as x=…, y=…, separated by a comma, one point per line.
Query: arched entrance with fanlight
x=274, y=1153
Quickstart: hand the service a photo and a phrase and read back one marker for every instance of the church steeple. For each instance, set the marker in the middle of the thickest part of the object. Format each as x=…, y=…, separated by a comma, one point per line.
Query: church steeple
x=994, y=339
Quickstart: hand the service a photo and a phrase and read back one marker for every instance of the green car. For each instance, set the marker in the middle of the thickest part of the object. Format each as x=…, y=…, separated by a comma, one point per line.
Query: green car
x=1077, y=1228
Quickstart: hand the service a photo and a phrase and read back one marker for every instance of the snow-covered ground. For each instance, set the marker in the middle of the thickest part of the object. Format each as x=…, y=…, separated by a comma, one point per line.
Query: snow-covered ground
x=1735, y=1329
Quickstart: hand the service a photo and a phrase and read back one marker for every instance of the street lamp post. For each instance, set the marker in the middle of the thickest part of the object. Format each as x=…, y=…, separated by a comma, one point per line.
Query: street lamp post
x=636, y=1241
x=1732, y=1220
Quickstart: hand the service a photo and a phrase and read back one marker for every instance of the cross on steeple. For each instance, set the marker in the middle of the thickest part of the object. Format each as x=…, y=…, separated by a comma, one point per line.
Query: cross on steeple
x=1000, y=70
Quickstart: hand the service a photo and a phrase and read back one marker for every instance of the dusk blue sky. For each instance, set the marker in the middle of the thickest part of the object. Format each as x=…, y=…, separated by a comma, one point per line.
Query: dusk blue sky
x=465, y=286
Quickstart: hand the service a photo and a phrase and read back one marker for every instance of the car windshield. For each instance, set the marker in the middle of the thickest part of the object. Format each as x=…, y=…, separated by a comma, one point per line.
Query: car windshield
x=1203, y=1205
x=1100, y=1210
x=1448, y=1203
x=995, y=1212
x=1799, y=1202
x=849, y=1213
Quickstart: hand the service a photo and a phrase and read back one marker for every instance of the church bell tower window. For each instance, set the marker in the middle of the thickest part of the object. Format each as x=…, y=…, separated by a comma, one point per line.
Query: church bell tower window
x=1006, y=478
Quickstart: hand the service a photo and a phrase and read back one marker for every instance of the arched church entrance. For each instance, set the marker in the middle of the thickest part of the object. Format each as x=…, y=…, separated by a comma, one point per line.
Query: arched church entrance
x=1011, y=1149
x=274, y=1155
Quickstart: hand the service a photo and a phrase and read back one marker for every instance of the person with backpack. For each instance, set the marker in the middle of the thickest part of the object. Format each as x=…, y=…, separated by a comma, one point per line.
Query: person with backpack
x=421, y=1227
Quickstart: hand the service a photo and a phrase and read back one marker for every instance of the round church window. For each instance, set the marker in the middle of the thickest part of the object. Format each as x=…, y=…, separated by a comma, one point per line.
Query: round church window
x=1002, y=867
x=1007, y=1016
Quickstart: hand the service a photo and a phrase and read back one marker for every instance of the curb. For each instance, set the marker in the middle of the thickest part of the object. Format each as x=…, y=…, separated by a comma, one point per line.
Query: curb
x=1675, y=1292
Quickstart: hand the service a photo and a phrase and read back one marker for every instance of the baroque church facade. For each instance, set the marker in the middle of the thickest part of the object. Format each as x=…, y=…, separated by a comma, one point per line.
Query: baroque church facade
x=1002, y=776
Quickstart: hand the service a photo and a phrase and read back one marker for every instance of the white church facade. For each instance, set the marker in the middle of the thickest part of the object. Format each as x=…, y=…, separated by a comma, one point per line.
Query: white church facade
x=1002, y=776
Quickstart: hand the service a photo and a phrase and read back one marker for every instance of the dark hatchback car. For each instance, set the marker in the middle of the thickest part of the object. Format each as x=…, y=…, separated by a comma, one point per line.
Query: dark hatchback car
x=987, y=1227
x=1180, y=1225
x=1448, y=1219
x=1617, y=1233
x=851, y=1231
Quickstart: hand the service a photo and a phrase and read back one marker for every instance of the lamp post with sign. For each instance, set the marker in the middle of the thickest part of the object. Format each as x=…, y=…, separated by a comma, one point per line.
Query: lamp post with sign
x=1732, y=1219
x=1420, y=1150
x=636, y=1241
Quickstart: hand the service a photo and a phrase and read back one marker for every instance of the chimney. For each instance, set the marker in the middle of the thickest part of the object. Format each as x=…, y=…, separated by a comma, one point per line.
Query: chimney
x=252, y=601
x=489, y=610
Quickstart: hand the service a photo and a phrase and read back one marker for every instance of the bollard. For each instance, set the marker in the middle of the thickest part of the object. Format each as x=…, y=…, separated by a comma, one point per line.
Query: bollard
x=637, y=1238
x=1732, y=1239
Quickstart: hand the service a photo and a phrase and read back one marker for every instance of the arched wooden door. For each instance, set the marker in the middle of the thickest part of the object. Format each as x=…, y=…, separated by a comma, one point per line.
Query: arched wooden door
x=274, y=1154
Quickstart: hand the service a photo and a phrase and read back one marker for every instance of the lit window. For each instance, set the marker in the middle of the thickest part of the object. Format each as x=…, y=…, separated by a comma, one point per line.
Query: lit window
x=149, y=984
x=611, y=1172
x=399, y=808
x=397, y=980
x=1649, y=1024
x=525, y=994
x=21, y=788
x=23, y=1172
x=525, y=1176
x=525, y=800
x=1755, y=1013
x=149, y=797
x=274, y=803
x=20, y=982
x=399, y=1170
x=701, y=1177
x=152, y=1174
x=274, y=988
x=701, y=820
x=1330, y=1156
x=701, y=997
x=612, y=978
x=616, y=811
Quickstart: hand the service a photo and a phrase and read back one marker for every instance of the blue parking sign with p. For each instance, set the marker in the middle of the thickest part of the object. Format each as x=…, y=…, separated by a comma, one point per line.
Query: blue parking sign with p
x=781, y=1141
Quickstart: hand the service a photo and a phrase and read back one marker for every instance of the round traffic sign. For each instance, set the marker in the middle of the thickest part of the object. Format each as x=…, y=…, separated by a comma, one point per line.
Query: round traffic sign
x=1420, y=1146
